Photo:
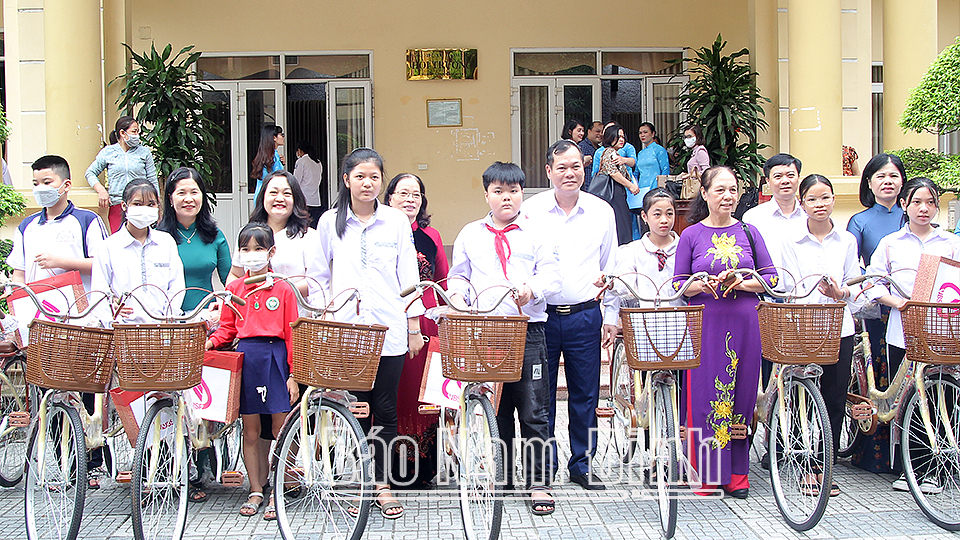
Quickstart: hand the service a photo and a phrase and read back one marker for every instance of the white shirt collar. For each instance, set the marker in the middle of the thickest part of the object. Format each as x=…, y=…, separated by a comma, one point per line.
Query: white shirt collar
x=905, y=232
x=796, y=209
x=376, y=213
x=806, y=235
x=650, y=247
x=126, y=238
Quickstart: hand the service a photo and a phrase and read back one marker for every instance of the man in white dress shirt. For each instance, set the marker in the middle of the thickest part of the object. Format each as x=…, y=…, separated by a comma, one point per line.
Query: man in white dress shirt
x=585, y=234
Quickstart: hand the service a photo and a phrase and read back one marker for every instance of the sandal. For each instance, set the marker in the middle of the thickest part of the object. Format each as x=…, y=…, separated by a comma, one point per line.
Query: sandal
x=542, y=506
x=93, y=477
x=294, y=492
x=391, y=509
x=248, y=508
x=196, y=493
x=270, y=512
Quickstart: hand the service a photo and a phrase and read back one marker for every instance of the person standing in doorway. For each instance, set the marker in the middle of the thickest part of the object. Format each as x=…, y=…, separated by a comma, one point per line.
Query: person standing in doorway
x=269, y=158
x=588, y=146
x=582, y=227
x=309, y=173
x=125, y=160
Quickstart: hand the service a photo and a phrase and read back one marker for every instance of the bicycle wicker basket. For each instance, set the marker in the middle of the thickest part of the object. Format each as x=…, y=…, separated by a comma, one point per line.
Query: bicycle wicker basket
x=662, y=338
x=69, y=357
x=166, y=356
x=932, y=332
x=481, y=348
x=800, y=333
x=336, y=355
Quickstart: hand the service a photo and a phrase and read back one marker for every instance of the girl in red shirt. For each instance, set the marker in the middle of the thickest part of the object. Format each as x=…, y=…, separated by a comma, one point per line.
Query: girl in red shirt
x=264, y=332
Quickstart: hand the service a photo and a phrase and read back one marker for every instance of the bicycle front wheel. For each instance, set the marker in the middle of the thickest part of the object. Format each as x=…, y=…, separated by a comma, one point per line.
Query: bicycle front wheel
x=665, y=460
x=933, y=468
x=13, y=440
x=228, y=448
x=481, y=470
x=56, y=473
x=160, y=474
x=623, y=423
x=801, y=440
x=322, y=469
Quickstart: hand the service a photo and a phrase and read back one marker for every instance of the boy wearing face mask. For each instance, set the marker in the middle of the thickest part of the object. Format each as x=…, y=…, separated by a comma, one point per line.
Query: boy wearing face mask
x=60, y=237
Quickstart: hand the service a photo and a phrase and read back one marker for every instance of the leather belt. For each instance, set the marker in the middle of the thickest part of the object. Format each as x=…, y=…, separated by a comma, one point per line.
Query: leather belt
x=570, y=309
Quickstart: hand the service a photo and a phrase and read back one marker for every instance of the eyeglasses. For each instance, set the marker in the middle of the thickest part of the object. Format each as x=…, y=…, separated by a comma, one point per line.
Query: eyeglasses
x=415, y=195
x=813, y=201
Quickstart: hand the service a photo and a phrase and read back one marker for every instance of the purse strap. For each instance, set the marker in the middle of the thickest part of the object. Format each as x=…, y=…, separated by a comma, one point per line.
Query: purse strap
x=753, y=247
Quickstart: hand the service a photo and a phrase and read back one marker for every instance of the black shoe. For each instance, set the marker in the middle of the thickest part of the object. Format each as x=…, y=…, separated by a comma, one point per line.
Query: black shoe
x=591, y=482
x=741, y=493
x=765, y=461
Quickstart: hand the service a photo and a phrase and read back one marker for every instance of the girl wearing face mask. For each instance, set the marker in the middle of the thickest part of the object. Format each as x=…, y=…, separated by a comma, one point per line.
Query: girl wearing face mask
x=699, y=158
x=136, y=255
x=125, y=159
x=265, y=341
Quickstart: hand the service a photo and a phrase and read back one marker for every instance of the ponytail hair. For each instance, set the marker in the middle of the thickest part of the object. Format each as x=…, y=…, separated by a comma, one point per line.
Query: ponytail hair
x=123, y=124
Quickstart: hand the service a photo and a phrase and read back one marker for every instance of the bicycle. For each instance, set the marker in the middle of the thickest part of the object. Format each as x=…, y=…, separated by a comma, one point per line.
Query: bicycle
x=16, y=407
x=163, y=360
x=655, y=341
x=798, y=339
x=321, y=461
x=476, y=349
x=929, y=374
x=62, y=361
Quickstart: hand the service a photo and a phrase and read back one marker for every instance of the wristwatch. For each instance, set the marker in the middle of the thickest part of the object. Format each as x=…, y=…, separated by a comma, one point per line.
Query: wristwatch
x=413, y=332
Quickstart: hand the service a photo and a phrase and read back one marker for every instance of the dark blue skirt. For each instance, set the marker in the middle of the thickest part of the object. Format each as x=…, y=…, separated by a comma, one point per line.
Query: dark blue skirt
x=263, y=386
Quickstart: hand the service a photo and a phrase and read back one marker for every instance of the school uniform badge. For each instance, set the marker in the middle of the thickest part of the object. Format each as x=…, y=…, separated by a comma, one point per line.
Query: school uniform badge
x=273, y=303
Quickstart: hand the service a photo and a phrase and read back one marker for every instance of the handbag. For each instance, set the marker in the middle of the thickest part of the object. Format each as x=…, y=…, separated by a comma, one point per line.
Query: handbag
x=691, y=185
x=602, y=186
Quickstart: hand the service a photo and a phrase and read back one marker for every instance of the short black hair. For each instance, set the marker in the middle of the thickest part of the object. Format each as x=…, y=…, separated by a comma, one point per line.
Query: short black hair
x=508, y=174
x=259, y=232
x=778, y=160
x=561, y=147
x=610, y=135
x=57, y=164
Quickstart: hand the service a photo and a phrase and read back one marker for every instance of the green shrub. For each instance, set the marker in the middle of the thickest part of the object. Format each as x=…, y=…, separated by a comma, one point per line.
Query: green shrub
x=944, y=169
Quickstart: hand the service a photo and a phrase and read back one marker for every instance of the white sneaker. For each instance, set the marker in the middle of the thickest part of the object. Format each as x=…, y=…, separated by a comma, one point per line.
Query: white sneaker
x=900, y=484
x=930, y=486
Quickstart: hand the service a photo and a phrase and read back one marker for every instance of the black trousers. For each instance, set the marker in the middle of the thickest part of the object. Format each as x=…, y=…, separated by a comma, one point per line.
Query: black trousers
x=94, y=456
x=530, y=399
x=383, y=415
x=833, y=386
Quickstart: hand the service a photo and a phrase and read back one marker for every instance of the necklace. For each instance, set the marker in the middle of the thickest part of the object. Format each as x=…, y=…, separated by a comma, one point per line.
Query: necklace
x=185, y=237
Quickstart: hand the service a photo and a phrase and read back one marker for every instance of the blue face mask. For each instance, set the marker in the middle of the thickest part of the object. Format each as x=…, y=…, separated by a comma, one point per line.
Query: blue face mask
x=46, y=196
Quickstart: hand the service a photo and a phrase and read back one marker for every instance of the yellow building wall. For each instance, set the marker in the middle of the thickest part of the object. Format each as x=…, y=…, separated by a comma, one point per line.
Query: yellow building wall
x=390, y=28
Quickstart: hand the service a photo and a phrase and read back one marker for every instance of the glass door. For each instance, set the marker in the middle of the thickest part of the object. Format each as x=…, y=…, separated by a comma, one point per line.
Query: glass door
x=261, y=104
x=661, y=105
x=349, y=121
x=539, y=109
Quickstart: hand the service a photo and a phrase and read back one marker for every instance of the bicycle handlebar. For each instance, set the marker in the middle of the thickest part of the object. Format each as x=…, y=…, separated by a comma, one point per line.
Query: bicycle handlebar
x=699, y=276
x=423, y=285
x=57, y=316
x=300, y=300
x=885, y=277
x=740, y=272
x=225, y=295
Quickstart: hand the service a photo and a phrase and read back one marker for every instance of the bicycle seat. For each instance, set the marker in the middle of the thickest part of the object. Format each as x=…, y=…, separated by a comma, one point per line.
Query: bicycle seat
x=8, y=347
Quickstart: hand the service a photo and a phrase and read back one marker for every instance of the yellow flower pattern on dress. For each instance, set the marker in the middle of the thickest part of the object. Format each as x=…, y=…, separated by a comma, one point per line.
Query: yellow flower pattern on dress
x=725, y=249
x=721, y=416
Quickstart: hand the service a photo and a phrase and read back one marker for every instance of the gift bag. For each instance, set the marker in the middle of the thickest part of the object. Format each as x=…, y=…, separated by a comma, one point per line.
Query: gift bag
x=435, y=389
x=131, y=408
x=217, y=397
x=56, y=293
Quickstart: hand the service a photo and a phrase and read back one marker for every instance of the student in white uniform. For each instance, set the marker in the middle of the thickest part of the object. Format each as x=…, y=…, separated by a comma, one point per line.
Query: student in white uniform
x=823, y=248
x=898, y=254
x=648, y=263
x=369, y=247
x=137, y=254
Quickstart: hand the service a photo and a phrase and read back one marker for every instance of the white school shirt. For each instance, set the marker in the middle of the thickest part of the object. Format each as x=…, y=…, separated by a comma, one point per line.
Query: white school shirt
x=776, y=228
x=898, y=254
x=76, y=233
x=836, y=256
x=639, y=259
x=585, y=245
x=378, y=259
x=531, y=263
x=122, y=263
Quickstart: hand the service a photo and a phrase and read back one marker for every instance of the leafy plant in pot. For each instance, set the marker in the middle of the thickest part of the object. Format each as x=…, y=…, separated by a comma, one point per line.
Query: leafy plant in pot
x=723, y=98
x=165, y=96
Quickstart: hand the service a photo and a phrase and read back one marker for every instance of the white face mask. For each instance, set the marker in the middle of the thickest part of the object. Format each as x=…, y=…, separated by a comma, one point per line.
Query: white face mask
x=46, y=196
x=254, y=261
x=133, y=141
x=690, y=141
x=142, y=217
